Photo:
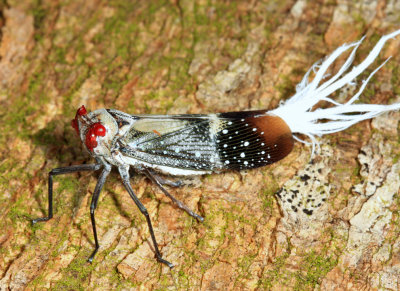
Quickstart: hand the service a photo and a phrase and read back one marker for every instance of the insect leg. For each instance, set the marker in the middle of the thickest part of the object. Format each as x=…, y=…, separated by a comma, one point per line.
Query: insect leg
x=164, y=181
x=181, y=205
x=93, y=205
x=61, y=171
x=125, y=180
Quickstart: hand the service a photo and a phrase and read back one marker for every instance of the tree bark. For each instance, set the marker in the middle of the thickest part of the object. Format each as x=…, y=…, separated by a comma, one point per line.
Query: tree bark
x=166, y=57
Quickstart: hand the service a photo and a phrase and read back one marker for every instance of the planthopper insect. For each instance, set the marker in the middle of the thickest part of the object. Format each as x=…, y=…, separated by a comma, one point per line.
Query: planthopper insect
x=195, y=144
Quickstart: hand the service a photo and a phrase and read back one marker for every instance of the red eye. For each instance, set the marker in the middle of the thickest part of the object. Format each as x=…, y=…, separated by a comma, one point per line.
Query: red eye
x=98, y=129
x=90, y=141
x=94, y=131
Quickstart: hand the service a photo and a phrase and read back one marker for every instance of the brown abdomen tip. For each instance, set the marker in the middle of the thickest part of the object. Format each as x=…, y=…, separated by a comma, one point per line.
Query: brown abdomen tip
x=277, y=136
x=252, y=139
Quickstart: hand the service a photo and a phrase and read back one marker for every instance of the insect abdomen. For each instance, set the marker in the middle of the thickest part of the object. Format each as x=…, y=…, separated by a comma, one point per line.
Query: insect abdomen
x=252, y=139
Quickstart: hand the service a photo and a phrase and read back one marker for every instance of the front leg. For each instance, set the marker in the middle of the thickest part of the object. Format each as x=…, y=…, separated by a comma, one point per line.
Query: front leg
x=93, y=205
x=124, y=171
x=61, y=171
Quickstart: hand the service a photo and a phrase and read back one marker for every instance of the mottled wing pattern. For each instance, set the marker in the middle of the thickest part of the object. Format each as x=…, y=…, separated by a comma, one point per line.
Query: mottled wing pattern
x=184, y=143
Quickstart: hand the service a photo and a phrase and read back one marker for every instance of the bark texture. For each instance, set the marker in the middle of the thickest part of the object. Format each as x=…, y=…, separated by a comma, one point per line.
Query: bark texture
x=193, y=57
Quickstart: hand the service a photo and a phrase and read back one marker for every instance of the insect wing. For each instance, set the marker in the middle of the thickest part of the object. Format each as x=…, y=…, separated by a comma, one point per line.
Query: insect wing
x=233, y=140
x=183, y=142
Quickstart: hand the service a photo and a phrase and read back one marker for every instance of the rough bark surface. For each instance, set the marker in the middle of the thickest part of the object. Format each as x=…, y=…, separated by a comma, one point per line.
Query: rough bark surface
x=193, y=57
